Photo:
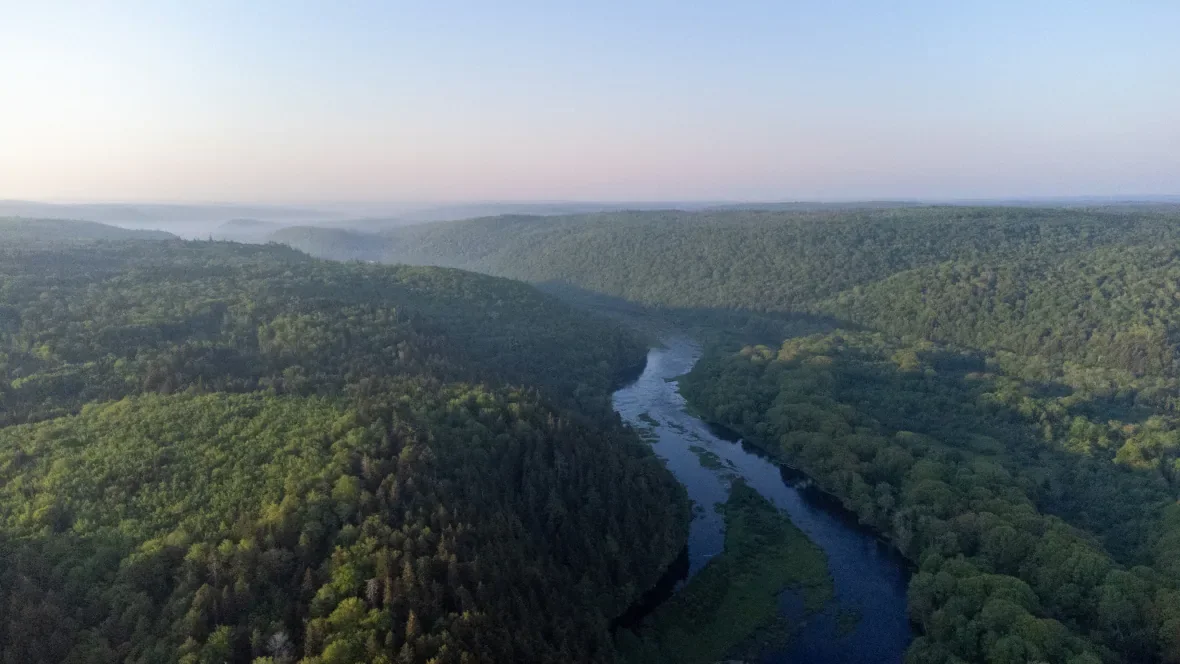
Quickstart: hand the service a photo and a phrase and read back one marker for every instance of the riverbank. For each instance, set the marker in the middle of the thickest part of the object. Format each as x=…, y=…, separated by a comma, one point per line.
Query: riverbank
x=867, y=579
x=737, y=594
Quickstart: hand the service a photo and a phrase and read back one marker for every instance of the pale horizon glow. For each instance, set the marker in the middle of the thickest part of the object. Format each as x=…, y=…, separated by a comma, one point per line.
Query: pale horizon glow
x=301, y=102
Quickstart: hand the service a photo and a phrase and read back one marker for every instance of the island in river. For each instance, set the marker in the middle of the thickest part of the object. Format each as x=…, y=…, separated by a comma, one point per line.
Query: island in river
x=776, y=570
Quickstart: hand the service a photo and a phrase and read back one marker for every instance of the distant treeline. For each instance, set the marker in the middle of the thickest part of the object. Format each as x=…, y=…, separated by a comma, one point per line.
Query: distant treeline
x=1060, y=284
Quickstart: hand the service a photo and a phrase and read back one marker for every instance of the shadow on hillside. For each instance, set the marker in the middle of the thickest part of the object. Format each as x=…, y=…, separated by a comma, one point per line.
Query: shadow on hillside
x=710, y=325
x=1099, y=408
x=1066, y=474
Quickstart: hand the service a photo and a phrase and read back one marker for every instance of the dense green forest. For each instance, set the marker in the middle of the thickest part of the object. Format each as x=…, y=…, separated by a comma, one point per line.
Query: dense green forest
x=117, y=319
x=1000, y=402
x=1111, y=307
x=992, y=389
x=747, y=259
x=214, y=452
x=1041, y=534
x=1065, y=287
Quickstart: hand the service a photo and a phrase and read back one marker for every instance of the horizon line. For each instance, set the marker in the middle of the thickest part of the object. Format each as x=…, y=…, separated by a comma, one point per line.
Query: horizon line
x=1126, y=198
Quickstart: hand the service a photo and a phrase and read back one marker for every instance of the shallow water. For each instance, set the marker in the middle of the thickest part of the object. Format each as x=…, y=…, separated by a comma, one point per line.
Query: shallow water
x=869, y=576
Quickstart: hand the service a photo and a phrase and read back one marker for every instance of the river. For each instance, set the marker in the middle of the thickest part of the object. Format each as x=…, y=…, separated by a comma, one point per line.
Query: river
x=869, y=576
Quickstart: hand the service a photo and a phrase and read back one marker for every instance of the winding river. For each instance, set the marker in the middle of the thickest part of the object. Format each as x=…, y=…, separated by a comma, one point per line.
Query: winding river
x=869, y=577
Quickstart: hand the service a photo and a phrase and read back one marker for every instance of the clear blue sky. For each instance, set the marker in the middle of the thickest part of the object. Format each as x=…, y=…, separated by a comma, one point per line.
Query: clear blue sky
x=305, y=102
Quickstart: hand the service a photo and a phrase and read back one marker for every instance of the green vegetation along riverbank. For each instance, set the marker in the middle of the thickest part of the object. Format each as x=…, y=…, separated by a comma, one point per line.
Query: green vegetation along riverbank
x=1036, y=537
x=736, y=594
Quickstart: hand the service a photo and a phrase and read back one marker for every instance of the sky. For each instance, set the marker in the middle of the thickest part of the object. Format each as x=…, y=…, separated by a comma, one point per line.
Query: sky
x=304, y=102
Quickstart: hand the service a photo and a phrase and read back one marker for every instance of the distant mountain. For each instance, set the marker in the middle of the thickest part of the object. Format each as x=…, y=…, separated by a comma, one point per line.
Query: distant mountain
x=186, y=220
x=332, y=243
x=18, y=232
x=253, y=231
x=473, y=210
x=813, y=206
x=367, y=224
x=377, y=223
x=376, y=217
x=752, y=259
x=258, y=231
x=156, y=212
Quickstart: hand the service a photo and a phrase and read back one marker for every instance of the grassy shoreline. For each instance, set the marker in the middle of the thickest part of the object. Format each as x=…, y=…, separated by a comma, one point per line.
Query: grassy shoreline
x=736, y=594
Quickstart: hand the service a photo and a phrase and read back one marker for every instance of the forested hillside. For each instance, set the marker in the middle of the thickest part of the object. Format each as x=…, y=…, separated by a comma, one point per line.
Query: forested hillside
x=1114, y=307
x=1063, y=288
x=332, y=243
x=1040, y=534
x=1029, y=468
x=118, y=319
x=748, y=259
x=215, y=452
x=1000, y=405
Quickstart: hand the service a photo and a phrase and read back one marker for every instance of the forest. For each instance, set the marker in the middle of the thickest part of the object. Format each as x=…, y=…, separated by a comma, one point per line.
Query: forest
x=1035, y=539
x=992, y=389
x=217, y=452
x=222, y=452
x=745, y=259
x=1112, y=307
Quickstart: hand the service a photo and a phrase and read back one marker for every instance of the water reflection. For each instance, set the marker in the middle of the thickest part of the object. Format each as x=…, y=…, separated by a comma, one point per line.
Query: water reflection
x=866, y=622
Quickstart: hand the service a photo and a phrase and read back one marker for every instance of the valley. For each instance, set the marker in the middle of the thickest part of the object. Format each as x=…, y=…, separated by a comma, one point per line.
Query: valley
x=990, y=389
x=590, y=333
x=841, y=571
x=874, y=435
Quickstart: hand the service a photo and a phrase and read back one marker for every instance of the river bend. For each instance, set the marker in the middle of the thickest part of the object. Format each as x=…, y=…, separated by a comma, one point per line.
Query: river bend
x=869, y=576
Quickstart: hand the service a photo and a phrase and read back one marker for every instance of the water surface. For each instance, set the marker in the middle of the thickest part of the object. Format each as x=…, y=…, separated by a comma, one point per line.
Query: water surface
x=869, y=576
